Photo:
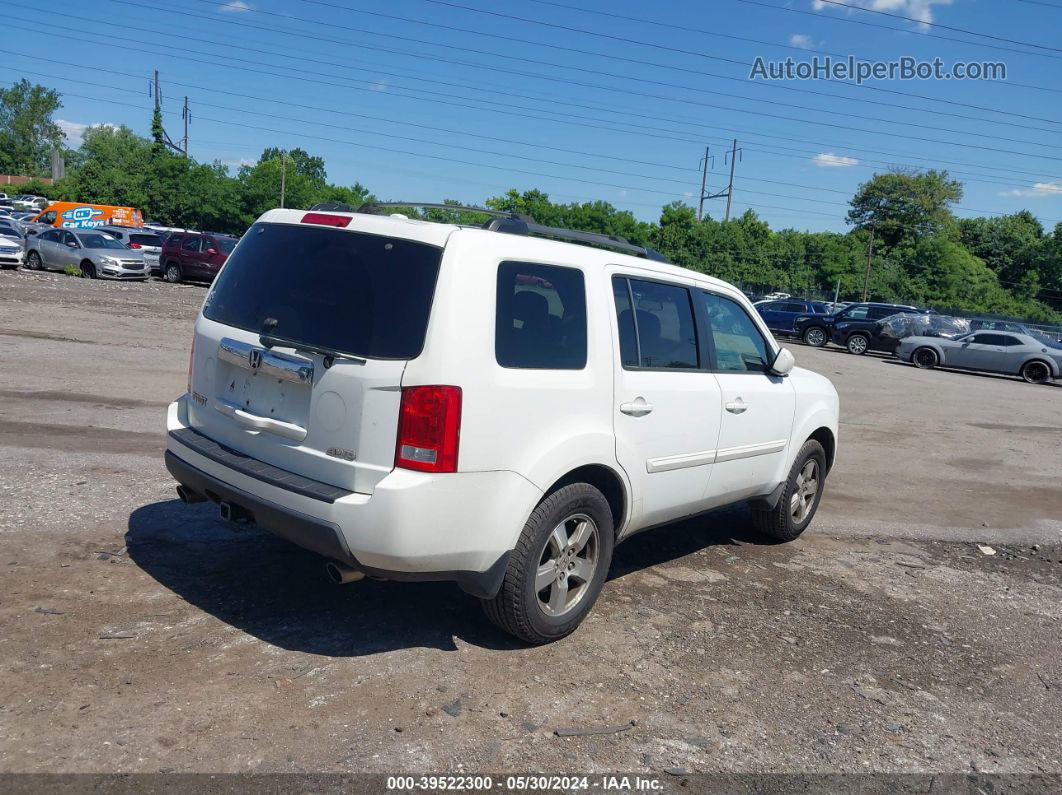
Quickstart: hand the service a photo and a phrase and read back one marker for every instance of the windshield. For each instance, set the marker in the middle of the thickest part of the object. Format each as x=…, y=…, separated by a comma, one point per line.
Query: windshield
x=360, y=294
x=98, y=240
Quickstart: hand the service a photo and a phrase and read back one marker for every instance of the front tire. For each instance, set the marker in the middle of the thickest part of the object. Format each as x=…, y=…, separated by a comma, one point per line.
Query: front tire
x=558, y=567
x=858, y=344
x=815, y=337
x=88, y=270
x=925, y=358
x=1036, y=372
x=800, y=496
x=173, y=273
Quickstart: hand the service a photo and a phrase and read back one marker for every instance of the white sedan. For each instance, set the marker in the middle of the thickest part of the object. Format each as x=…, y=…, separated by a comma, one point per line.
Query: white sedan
x=12, y=251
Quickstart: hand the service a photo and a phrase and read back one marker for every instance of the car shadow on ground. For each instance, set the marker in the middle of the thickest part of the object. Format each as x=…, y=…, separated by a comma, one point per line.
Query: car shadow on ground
x=977, y=374
x=279, y=593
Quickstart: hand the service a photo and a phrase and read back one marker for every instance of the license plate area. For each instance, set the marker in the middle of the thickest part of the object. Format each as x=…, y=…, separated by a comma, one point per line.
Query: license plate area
x=263, y=383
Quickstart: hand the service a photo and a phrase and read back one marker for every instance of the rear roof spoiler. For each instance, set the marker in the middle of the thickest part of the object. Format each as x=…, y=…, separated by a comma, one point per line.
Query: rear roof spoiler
x=516, y=224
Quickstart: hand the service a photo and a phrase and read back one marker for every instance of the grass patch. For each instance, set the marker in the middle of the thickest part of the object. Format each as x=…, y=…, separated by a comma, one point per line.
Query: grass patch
x=72, y=270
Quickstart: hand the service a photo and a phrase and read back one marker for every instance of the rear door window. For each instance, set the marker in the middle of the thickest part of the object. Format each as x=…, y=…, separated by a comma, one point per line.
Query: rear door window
x=540, y=320
x=364, y=295
x=856, y=313
x=656, y=325
x=191, y=245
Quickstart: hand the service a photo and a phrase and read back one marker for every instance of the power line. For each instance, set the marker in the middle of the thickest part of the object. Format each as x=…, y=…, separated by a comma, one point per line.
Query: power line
x=731, y=36
x=332, y=24
x=935, y=25
x=728, y=192
x=588, y=121
x=898, y=30
x=802, y=153
x=623, y=91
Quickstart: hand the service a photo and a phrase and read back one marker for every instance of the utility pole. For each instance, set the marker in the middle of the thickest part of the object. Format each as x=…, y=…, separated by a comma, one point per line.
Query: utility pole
x=187, y=116
x=283, y=174
x=870, y=257
x=730, y=187
x=704, y=184
x=158, y=91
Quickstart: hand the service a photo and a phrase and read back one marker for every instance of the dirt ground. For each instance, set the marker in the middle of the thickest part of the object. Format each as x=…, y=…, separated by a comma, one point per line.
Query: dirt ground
x=140, y=635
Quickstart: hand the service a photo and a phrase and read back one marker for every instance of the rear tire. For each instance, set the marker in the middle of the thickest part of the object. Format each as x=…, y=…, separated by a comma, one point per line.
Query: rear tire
x=800, y=496
x=88, y=270
x=858, y=344
x=816, y=336
x=172, y=274
x=33, y=261
x=1036, y=372
x=558, y=567
x=925, y=358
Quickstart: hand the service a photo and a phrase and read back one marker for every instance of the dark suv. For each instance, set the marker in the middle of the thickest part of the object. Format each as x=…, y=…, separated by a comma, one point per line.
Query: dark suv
x=853, y=327
x=781, y=315
x=194, y=255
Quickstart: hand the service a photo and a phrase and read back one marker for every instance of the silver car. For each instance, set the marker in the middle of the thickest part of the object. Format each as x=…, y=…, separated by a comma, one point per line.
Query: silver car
x=94, y=254
x=145, y=241
x=1035, y=360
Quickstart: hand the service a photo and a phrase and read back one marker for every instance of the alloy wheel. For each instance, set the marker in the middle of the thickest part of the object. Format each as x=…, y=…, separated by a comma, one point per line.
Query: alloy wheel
x=815, y=337
x=858, y=345
x=804, y=491
x=567, y=565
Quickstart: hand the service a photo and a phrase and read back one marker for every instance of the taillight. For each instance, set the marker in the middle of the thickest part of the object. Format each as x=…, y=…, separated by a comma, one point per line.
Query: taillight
x=135, y=245
x=191, y=360
x=429, y=428
x=325, y=220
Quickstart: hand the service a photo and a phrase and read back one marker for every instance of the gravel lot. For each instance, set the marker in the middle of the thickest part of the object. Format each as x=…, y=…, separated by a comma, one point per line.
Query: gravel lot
x=143, y=635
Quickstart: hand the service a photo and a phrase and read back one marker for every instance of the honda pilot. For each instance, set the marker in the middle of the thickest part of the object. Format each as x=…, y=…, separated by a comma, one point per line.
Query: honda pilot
x=498, y=405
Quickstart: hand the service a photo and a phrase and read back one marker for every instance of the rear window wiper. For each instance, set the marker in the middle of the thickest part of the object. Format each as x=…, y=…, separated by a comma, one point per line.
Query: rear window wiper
x=330, y=354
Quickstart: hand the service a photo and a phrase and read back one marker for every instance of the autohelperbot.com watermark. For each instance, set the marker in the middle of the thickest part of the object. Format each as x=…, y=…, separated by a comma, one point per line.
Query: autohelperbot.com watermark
x=851, y=68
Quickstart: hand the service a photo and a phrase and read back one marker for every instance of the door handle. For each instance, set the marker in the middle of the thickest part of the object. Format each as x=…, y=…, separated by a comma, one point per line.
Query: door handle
x=636, y=408
x=738, y=406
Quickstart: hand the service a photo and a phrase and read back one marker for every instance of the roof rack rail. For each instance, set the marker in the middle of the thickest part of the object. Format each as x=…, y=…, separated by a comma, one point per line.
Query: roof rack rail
x=516, y=224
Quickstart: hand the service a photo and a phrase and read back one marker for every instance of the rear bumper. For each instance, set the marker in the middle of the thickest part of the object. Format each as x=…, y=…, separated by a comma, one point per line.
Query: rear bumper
x=414, y=526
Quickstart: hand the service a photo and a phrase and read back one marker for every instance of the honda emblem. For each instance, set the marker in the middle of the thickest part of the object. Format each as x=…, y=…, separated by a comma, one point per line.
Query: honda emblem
x=254, y=357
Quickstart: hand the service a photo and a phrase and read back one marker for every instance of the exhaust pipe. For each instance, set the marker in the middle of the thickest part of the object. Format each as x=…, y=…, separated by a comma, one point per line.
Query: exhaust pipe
x=187, y=496
x=341, y=573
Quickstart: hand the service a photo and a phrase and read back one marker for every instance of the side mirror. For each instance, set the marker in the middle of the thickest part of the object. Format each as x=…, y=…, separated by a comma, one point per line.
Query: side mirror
x=783, y=363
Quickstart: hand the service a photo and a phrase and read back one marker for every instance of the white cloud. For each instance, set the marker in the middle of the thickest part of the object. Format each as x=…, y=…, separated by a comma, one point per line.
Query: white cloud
x=920, y=10
x=74, y=131
x=1039, y=190
x=235, y=7
x=801, y=40
x=830, y=160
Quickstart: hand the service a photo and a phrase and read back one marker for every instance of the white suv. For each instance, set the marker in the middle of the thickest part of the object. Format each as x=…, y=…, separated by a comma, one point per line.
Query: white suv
x=487, y=405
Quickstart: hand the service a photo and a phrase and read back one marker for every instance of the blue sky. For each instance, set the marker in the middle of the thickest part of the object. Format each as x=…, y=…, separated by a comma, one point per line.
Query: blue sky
x=624, y=115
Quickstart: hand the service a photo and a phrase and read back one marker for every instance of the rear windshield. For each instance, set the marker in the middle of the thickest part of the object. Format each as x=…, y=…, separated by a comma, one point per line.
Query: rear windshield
x=146, y=240
x=360, y=294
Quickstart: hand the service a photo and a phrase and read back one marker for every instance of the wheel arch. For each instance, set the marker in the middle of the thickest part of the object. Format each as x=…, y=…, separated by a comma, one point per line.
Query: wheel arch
x=1052, y=365
x=826, y=438
x=606, y=480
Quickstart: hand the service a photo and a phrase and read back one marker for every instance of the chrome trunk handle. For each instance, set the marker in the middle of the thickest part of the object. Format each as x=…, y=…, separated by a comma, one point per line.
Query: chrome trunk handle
x=264, y=361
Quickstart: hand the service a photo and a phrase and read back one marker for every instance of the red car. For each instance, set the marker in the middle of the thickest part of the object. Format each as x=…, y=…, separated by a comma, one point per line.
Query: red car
x=194, y=255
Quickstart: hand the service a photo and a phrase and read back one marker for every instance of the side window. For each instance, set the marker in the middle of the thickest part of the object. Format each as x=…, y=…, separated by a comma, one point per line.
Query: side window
x=191, y=244
x=793, y=308
x=174, y=239
x=50, y=236
x=986, y=339
x=1010, y=341
x=856, y=313
x=773, y=306
x=70, y=240
x=879, y=312
x=47, y=218
x=660, y=322
x=739, y=346
x=541, y=317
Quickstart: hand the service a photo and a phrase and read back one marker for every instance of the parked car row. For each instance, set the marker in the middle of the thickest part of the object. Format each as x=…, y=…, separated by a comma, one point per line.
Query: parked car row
x=920, y=336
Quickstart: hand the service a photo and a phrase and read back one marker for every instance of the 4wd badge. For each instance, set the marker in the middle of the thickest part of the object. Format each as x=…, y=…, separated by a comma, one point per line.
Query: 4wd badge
x=339, y=452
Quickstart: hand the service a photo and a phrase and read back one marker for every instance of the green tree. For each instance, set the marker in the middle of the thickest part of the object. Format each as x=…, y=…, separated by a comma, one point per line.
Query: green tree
x=905, y=205
x=28, y=133
x=298, y=161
